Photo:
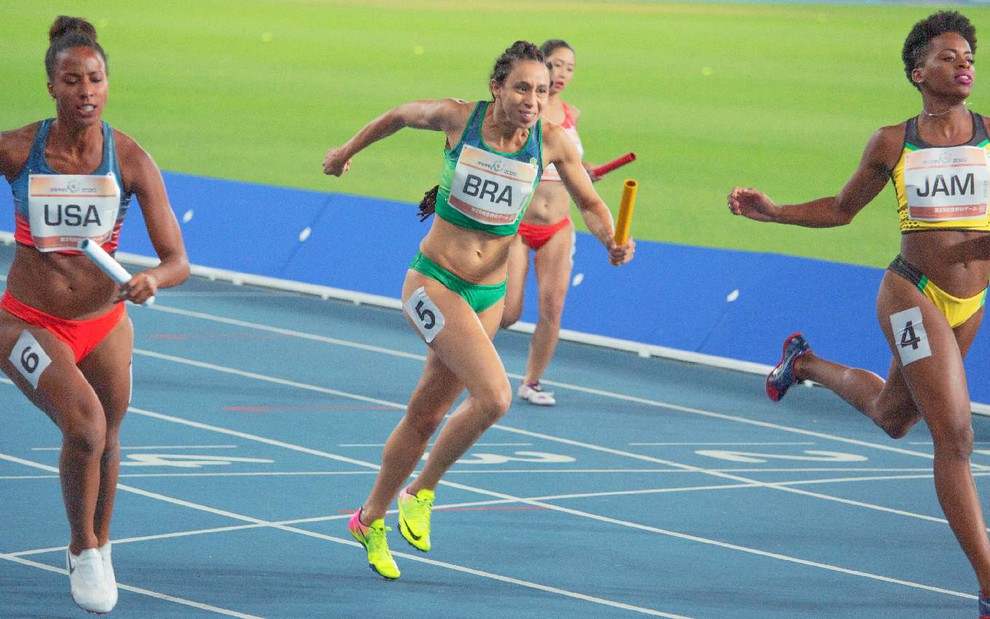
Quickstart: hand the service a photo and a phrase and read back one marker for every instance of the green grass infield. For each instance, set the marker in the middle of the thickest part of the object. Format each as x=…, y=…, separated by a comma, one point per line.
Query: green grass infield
x=775, y=96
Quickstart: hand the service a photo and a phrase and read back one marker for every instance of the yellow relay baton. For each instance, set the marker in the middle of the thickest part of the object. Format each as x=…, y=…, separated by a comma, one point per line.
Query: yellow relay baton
x=625, y=211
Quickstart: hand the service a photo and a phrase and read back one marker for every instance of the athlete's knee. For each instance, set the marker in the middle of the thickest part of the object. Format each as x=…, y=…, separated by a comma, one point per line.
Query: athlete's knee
x=552, y=297
x=898, y=426
x=111, y=447
x=510, y=315
x=895, y=416
x=495, y=402
x=508, y=319
x=953, y=440
x=551, y=308
x=84, y=437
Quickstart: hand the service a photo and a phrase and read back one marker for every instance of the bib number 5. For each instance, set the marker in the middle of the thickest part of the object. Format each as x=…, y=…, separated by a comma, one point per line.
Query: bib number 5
x=424, y=313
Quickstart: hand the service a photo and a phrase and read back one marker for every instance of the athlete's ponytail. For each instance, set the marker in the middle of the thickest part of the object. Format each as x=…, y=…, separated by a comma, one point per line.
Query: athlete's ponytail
x=428, y=205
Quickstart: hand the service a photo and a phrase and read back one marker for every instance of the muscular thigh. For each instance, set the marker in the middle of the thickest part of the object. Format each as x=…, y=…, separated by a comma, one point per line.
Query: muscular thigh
x=927, y=354
x=460, y=339
x=44, y=369
x=108, y=369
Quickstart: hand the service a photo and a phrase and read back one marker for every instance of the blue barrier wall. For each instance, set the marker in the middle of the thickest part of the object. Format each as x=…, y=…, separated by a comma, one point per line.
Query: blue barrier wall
x=732, y=304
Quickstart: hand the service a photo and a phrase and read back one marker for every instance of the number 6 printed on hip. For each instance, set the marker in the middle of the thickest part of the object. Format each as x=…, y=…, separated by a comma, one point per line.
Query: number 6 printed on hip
x=424, y=313
x=29, y=358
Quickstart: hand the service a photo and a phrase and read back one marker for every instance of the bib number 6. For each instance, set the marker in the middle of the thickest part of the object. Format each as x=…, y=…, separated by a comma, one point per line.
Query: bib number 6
x=29, y=358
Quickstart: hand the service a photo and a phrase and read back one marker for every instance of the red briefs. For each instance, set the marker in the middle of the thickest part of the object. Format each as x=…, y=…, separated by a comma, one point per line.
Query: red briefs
x=536, y=235
x=82, y=336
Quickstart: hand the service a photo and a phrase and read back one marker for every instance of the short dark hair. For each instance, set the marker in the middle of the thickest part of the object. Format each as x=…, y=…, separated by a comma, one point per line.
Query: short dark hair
x=66, y=33
x=916, y=44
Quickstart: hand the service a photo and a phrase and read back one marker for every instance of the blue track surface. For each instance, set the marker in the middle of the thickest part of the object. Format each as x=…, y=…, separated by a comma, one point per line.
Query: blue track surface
x=654, y=488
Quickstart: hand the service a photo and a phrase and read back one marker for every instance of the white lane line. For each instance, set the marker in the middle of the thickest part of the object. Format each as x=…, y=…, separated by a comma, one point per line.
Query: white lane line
x=707, y=444
x=150, y=447
x=14, y=558
x=289, y=332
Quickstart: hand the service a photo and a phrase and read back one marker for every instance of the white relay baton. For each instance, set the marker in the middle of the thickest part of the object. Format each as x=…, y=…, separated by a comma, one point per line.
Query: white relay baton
x=107, y=264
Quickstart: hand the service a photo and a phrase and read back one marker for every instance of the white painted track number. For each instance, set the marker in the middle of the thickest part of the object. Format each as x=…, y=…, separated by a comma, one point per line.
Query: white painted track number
x=424, y=313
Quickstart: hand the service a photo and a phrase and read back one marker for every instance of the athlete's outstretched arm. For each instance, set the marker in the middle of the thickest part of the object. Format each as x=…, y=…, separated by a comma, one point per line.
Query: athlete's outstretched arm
x=433, y=114
x=879, y=158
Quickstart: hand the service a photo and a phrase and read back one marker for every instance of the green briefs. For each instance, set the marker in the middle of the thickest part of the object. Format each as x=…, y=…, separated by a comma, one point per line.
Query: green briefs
x=479, y=296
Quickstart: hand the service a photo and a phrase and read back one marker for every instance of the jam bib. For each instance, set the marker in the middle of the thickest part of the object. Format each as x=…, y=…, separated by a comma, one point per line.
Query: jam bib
x=64, y=209
x=489, y=188
x=947, y=184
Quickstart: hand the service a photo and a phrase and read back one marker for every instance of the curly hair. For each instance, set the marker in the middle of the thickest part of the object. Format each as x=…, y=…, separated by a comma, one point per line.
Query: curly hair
x=918, y=40
x=66, y=33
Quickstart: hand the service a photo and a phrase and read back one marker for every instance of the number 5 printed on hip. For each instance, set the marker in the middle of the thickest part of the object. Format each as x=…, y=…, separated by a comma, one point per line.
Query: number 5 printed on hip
x=424, y=313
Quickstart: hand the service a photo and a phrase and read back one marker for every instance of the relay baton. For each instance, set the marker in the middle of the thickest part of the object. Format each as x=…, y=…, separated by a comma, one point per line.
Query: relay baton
x=107, y=264
x=625, y=211
x=605, y=168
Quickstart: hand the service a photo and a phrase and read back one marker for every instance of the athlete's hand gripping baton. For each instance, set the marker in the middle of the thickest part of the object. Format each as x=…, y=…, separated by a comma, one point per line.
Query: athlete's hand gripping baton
x=108, y=265
x=625, y=211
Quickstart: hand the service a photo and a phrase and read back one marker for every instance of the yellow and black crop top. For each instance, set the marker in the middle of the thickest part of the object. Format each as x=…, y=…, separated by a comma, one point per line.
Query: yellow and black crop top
x=943, y=187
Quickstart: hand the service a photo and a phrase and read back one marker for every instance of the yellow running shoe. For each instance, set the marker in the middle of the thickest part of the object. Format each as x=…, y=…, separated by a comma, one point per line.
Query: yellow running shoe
x=372, y=537
x=414, y=517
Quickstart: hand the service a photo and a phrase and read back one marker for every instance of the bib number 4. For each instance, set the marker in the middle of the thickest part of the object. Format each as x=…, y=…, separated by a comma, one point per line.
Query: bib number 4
x=910, y=335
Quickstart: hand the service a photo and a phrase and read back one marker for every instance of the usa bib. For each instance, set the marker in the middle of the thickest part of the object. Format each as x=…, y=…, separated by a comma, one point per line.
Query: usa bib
x=64, y=209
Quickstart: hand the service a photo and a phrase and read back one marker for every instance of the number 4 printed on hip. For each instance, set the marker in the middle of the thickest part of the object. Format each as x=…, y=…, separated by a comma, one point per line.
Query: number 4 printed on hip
x=909, y=335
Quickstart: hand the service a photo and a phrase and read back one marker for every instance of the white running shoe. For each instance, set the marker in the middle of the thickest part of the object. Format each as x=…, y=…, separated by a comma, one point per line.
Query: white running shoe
x=108, y=574
x=534, y=394
x=87, y=582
